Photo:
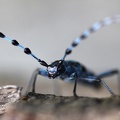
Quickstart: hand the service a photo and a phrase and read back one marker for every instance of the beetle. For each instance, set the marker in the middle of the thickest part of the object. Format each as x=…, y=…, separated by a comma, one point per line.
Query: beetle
x=69, y=70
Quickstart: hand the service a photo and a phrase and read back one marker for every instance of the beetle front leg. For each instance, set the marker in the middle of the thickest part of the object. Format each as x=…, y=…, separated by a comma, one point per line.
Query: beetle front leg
x=32, y=81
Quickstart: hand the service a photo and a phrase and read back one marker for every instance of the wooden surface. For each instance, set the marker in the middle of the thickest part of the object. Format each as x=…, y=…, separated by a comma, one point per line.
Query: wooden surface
x=47, y=106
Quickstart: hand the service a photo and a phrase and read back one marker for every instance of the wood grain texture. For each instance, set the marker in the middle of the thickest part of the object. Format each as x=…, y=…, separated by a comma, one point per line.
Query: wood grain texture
x=47, y=106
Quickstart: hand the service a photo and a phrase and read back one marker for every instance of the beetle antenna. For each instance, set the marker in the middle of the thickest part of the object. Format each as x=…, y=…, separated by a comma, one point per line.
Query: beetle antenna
x=95, y=27
x=26, y=50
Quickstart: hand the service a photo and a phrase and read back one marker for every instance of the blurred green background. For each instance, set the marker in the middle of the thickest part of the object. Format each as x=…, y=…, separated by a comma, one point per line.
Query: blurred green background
x=48, y=27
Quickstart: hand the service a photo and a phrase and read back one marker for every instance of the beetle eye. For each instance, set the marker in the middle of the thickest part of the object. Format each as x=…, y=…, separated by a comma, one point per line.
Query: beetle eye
x=59, y=64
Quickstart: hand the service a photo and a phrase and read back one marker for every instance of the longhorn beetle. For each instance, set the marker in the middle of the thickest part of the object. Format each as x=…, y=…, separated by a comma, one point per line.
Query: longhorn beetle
x=70, y=70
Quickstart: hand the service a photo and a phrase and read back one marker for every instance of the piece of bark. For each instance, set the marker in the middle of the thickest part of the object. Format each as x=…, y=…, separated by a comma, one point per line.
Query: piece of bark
x=9, y=94
x=47, y=106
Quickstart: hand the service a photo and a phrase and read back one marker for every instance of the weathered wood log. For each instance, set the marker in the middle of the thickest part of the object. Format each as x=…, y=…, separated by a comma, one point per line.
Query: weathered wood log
x=36, y=106
x=9, y=94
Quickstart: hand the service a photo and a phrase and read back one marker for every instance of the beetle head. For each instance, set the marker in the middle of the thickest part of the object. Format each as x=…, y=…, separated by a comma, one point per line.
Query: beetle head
x=55, y=69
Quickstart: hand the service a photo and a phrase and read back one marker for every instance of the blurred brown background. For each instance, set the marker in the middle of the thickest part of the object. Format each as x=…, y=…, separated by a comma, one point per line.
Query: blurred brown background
x=48, y=27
